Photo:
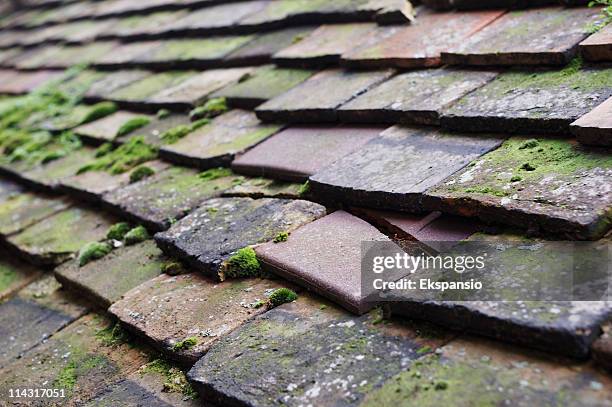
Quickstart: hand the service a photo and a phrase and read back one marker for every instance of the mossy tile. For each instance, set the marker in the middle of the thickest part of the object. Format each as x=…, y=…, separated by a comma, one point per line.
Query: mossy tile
x=22, y=210
x=138, y=25
x=104, y=86
x=107, y=128
x=167, y=310
x=264, y=188
x=210, y=235
x=58, y=237
x=142, y=89
x=153, y=131
x=9, y=189
x=14, y=275
x=217, y=143
x=126, y=54
x=218, y=18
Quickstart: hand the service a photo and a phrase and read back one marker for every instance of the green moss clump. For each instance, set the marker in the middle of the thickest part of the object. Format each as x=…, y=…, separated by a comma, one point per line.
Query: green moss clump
x=304, y=189
x=185, y=344
x=212, y=108
x=242, y=264
x=281, y=296
x=516, y=178
x=531, y=143
x=99, y=110
x=136, y=235
x=93, y=251
x=172, y=268
x=174, y=134
x=281, y=237
x=163, y=114
x=606, y=15
x=215, y=173
x=113, y=335
x=175, y=380
x=118, y=231
x=67, y=377
x=141, y=173
x=486, y=191
x=132, y=124
x=528, y=167
x=123, y=158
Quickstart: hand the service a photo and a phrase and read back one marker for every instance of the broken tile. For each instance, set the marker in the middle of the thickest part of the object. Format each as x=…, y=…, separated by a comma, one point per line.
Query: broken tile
x=216, y=144
x=324, y=46
x=106, y=129
x=58, y=237
x=418, y=45
x=595, y=127
x=414, y=97
x=263, y=84
x=306, y=352
x=598, y=47
x=141, y=90
x=531, y=103
x=22, y=210
x=297, y=153
x=193, y=91
x=543, y=36
x=210, y=235
x=265, y=188
x=168, y=310
x=106, y=280
x=546, y=186
x=163, y=198
x=379, y=176
x=14, y=275
x=325, y=257
x=31, y=317
x=312, y=101
x=602, y=347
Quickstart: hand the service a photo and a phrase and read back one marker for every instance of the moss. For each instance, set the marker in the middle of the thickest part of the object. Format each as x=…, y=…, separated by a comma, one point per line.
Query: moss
x=212, y=108
x=172, y=268
x=424, y=349
x=243, y=263
x=132, y=124
x=516, y=178
x=113, y=335
x=122, y=158
x=99, y=111
x=175, y=380
x=304, y=189
x=118, y=231
x=606, y=15
x=163, y=114
x=281, y=296
x=281, y=237
x=136, y=235
x=37, y=147
x=258, y=304
x=486, y=191
x=7, y=276
x=141, y=173
x=215, y=173
x=93, y=251
x=185, y=344
x=174, y=134
x=67, y=377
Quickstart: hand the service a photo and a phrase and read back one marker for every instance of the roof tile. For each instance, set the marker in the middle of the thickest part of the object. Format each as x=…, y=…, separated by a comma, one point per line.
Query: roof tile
x=595, y=127
x=598, y=47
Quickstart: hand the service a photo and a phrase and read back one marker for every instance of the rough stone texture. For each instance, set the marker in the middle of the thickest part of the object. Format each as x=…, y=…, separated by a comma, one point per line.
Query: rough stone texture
x=265, y=188
x=14, y=275
x=325, y=257
x=307, y=353
x=208, y=237
x=379, y=176
x=414, y=97
x=106, y=129
x=22, y=82
x=31, y=317
x=595, y=127
x=544, y=36
x=126, y=54
x=519, y=102
x=217, y=143
x=19, y=211
x=137, y=92
x=324, y=46
x=194, y=90
x=106, y=280
x=56, y=238
x=91, y=185
x=312, y=101
x=418, y=45
x=262, y=85
x=167, y=310
x=160, y=200
x=602, y=347
x=76, y=359
x=547, y=186
x=113, y=81
x=598, y=47
x=471, y=371
x=296, y=153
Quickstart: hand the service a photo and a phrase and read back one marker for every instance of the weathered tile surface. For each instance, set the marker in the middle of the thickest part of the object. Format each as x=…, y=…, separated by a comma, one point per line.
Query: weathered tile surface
x=380, y=176
x=208, y=237
x=265, y=188
x=217, y=143
x=547, y=186
x=56, y=238
x=31, y=317
x=141, y=90
x=126, y=53
x=159, y=200
x=324, y=46
x=103, y=87
x=263, y=84
x=297, y=153
x=312, y=100
x=168, y=310
x=153, y=131
x=139, y=25
x=414, y=97
x=595, y=127
x=602, y=347
x=48, y=176
x=22, y=210
x=325, y=256
x=543, y=36
x=598, y=47
x=418, y=45
x=106, y=129
x=306, y=353
x=521, y=102
x=14, y=275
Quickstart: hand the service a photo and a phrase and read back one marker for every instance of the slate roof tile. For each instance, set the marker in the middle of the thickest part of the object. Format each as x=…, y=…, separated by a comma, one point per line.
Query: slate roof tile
x=19, y=211
x=107, y=128
x=136, y=93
